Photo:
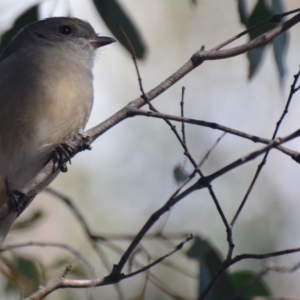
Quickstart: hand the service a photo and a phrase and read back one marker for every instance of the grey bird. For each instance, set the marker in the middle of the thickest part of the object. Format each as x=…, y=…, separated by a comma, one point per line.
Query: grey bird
x=46, y=96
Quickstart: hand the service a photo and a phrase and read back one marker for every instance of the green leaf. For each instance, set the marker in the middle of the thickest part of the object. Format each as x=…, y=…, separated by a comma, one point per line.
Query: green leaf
x=277, y=7
x=194, y=2
x=29, y=16
x=28, y=268
x=23, y=275
x=242, y=9
x=280, y=42
x=279, y=48
x=113, y=15
x=255, y=58
x=180, y=174
x=260, y=13
x=29, y=221
x=10, y=289
x=242, y=279
x=210, y=262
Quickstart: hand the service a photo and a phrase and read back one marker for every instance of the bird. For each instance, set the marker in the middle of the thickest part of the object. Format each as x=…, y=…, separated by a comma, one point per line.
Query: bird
x=46, y=97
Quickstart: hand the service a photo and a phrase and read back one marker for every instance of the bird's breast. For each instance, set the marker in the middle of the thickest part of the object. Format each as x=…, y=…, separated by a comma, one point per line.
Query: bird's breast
x=64, y=107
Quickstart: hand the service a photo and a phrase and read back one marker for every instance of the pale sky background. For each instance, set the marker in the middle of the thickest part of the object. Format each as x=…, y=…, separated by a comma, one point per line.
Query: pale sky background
x=128, y=174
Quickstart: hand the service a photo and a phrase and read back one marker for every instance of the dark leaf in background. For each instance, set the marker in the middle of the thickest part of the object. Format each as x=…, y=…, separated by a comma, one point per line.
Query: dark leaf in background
x=242, y=279
x=28, y=268
x=279, y=43
x=279, y=48
x=194, y=1
x=255, y=58
x=29, y=16
x=180, y=174
x=260, y=13
x=29, y=221
x=242, y=9
x=210, y=262
x=277, y=7
x=22, y=273
x=113, y=15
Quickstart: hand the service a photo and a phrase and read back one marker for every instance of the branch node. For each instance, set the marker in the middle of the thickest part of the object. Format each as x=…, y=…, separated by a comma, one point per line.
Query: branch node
x=196, y=60
x=296, y=157
x=67, y=270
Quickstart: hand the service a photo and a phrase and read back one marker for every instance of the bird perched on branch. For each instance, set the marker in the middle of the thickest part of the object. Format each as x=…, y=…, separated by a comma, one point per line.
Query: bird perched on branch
x=46, y=96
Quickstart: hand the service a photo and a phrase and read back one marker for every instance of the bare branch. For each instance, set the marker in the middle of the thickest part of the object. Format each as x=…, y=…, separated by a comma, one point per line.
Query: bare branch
x=212, y=125
x=67, y=283
x=264, y=159
x=276, y=18
x=82, y=141
x=177, y=248
x=227, y=263
x=76, y=253
x=182, y=115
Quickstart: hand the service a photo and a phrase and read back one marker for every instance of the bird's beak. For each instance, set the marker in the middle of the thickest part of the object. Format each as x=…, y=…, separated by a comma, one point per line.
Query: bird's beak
x=101, y=41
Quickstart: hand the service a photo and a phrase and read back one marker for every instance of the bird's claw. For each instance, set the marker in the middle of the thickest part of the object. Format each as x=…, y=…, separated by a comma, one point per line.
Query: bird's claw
x=16, y=200
x=60, y=154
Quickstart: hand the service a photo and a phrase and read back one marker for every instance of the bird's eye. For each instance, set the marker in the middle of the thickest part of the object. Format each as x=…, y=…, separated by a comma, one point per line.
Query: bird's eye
x=65, y=29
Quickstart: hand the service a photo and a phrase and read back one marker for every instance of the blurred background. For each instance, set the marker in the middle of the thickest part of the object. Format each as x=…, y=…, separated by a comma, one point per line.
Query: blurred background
x=129, y=172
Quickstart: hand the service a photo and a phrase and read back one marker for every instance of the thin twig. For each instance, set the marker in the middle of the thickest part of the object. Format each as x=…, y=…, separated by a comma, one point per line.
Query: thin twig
x=227, y=263
x=108, y=236
x=89, y=268
x=210, y=150
x=145, y=282
x=177, y=248
x=182, y=115
x=125, y=257
x=82, y=141
x=264, y=159
x=197, y=59
x=88, y=232
x=275, y=18
x=67, y=283
x=67, y=270
x=212, y=125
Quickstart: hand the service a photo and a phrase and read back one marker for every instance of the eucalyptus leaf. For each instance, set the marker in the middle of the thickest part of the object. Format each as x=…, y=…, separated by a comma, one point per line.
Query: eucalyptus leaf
x=242, y=9
x=280, y=42
x=113, y=14
x=279, y=49
x=260, y=13
x=24, y=275
x=180, y=174
x=29, y=221
x=210, y=262
x=251, y=284
x=277, y=6
x=255, y=58
x=29, y=16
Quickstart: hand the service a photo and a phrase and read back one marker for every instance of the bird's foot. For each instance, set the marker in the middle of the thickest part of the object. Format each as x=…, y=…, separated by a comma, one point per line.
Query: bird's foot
x=64, y=151
x=60, y=155
x=17, y=201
